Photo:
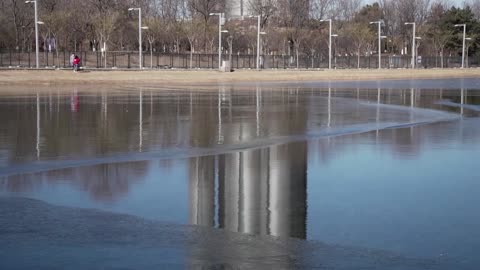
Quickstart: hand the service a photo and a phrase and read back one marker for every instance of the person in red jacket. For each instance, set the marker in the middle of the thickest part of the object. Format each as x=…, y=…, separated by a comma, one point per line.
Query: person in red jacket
x=76, y=63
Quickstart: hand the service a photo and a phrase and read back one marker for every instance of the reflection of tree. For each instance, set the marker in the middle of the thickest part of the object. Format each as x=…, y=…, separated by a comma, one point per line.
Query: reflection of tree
x=106, y=182
x=108, y=123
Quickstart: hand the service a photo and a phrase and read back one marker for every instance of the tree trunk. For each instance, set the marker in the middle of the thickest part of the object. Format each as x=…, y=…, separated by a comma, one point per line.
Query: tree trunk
x=296, y=54
x=313, y=51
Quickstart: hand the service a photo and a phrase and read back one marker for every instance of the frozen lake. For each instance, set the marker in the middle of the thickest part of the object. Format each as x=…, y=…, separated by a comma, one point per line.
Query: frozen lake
x=372, y=174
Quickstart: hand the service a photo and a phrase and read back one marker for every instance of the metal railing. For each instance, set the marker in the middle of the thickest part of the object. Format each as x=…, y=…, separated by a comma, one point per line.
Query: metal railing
x=129, y=59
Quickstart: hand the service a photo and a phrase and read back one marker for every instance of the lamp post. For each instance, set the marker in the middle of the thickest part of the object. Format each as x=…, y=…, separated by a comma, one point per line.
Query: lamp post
x=379, y=43
x=329, y=42
x=413, y=43
x=220, y=17
x=36, y=31
x=463, y=46
x=466, y=55
x=140, y=27
x=258, y=40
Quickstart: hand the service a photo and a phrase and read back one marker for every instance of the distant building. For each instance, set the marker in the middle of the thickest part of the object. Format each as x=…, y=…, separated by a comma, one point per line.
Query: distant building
x=237, y=8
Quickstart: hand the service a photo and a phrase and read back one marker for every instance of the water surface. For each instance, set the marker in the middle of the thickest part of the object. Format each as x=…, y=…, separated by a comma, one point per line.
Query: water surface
x=390, y=168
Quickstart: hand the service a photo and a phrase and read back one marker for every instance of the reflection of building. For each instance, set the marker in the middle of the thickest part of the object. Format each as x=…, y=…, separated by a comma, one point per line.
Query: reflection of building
x=264, y=191
x=257, y=191
x=260, y=191
x=202, y=190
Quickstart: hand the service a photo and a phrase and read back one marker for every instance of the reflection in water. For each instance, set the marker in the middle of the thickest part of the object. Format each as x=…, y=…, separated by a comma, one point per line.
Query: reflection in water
x=104, y=125
x=251, y=176
x=259, y=191
x=264, y=191
x=104, y=183
x=140, y=121
x=38, y=126
x=202, y=191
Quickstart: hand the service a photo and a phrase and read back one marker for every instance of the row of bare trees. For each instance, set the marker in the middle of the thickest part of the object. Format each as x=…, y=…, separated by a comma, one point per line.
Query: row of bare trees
x=292, y=27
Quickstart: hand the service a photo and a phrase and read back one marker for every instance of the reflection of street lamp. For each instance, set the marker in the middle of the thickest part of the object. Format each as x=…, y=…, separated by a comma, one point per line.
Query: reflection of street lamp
x=36, y=30
x=463, y=46
x=38, y=126
x=140, y=27
x=413, y=43
x=329, y=42
x=220, y=22
x=379, y=43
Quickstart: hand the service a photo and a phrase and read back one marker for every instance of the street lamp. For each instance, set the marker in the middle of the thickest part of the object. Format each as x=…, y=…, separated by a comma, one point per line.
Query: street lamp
x=413, y=43
x=379, y=43
x=466, y=60
x=36, y=30
x=140, y=27
x=329, y=42
x=258, y=40
x=220, y=22
x=463, y=46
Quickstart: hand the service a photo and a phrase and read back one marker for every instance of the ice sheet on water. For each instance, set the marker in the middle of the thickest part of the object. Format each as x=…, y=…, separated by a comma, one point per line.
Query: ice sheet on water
x=37, y=235
x=458, y=105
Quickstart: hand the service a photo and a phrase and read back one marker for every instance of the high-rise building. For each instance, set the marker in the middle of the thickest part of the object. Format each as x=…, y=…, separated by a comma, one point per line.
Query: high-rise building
x=236, y=8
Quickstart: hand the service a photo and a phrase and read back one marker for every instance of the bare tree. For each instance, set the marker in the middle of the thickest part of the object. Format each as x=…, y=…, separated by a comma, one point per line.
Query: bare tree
x=57, y=22
x=263, y=8
x=192, y=29
x=321, y=9
x=360, y=37
x=19, y=11
x=105, y=25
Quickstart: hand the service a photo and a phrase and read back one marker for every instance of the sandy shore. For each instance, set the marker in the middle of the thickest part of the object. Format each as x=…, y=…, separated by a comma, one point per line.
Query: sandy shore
x=195, y=77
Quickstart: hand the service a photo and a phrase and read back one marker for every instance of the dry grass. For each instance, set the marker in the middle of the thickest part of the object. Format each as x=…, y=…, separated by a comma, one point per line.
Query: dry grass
x=195, y=77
